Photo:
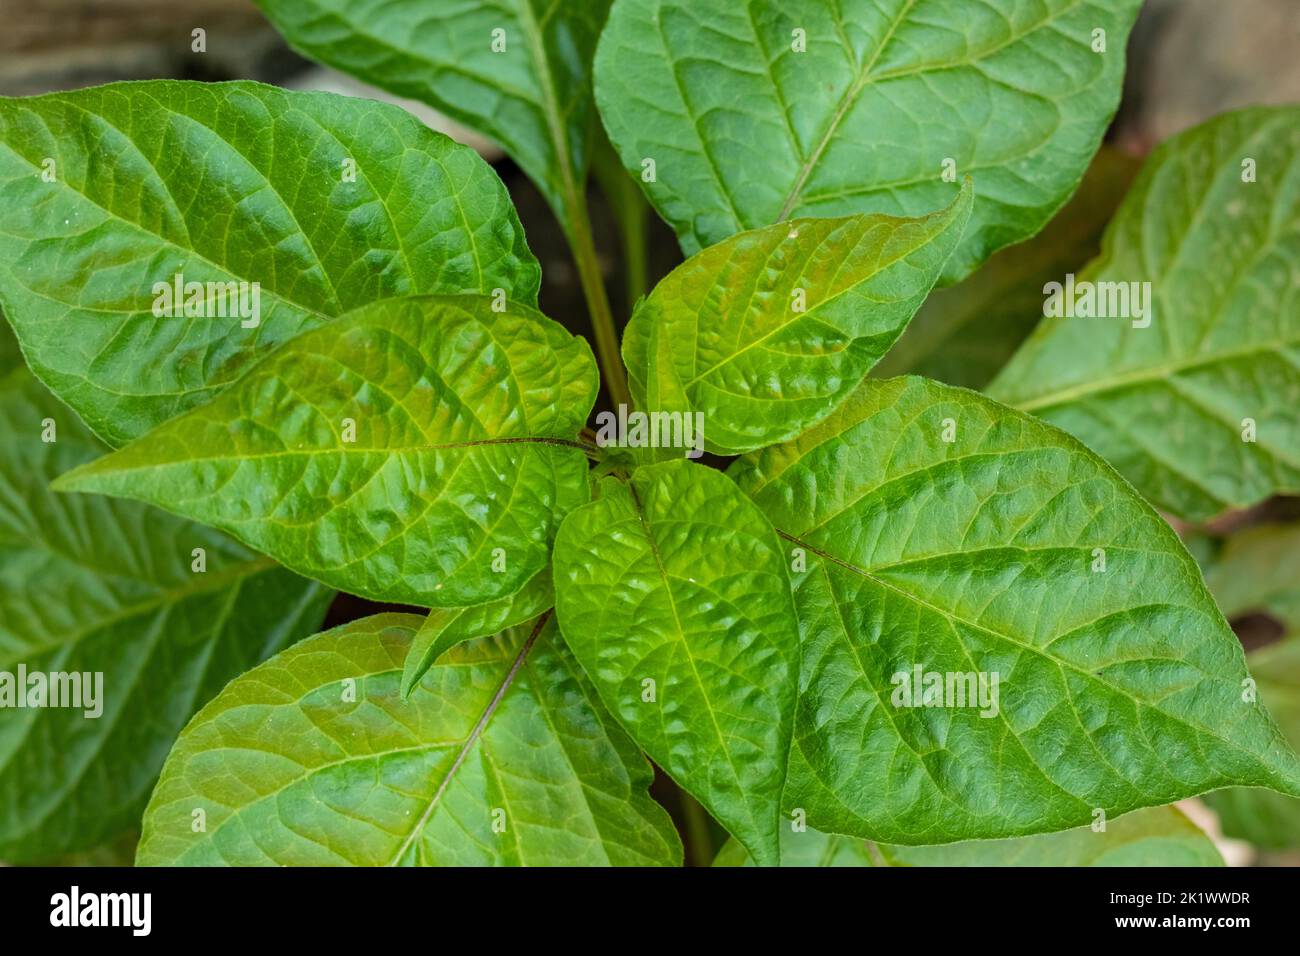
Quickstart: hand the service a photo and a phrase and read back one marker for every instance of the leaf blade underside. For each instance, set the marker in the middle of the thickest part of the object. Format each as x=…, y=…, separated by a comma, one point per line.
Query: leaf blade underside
x=1167, y=403
x=90, y=585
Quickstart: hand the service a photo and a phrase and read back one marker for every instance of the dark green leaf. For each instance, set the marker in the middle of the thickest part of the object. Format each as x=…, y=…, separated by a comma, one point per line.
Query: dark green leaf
x=745, y=131
x=1256, y=572
x=1269, y=820
x=89, y=584
x=462, y=464
x=1168, y=402
x=1010, y=551
x=501, y=756
x=227, y=182
x=672, y=592
x=533, y=96
x=766, y=332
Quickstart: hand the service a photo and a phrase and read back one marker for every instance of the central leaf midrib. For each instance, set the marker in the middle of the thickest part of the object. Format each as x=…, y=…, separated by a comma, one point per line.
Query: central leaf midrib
x=475, y=735
x=573, y=199
x=1152, y=373
x=653, y=546
x=343, y=449
x=846, y=103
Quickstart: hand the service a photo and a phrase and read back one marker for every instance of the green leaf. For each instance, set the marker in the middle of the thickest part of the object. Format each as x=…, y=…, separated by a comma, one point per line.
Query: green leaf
x=533, y=96
x=766, y=332
x=501, y=756
x=1158, y=836
x=1167, y=403
x=444, y=628
x=745, y=131
x=1269, y=820
x=225, y=182
x=1117, y=689
x=965, y=334
x=672, y=592
x=92, y=585
x=1255, y=572
x=461, y=467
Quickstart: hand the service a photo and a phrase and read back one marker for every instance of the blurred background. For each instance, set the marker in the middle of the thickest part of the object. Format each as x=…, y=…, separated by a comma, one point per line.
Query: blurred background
x=1188, y=60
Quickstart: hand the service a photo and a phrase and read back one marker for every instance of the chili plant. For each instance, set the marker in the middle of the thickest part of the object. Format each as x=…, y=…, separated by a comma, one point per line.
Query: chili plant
x=283, y=344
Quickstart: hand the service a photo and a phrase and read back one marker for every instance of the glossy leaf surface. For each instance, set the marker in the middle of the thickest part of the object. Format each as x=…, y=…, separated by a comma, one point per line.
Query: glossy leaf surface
x=327, y=202
x=764, y=333
x=945, y=532
x=516, y=70
x=418, y=450
x=746, y=129
x=672, y=592
x=444, y=628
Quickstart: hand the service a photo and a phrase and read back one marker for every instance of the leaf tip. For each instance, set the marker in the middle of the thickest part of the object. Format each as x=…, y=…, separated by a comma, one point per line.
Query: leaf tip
x=79, y=479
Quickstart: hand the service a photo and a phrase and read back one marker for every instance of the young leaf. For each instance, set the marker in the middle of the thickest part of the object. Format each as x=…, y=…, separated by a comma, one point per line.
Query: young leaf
x=766, y=332
x=672, y=592
x=965, y=334
x=417, y=450
x=1080, y=663
x=517, y=70
x=327, y=202
x=501, y=756
x=736, y=116
x=1195, y=401
x=89, y=585
x=1157, y=836
x=444, y=628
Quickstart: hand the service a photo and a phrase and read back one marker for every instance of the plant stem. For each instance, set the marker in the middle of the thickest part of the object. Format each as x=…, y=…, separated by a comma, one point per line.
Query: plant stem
x=633, y=220
x=698, y=837
x=632, y=213
x=593, y=288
